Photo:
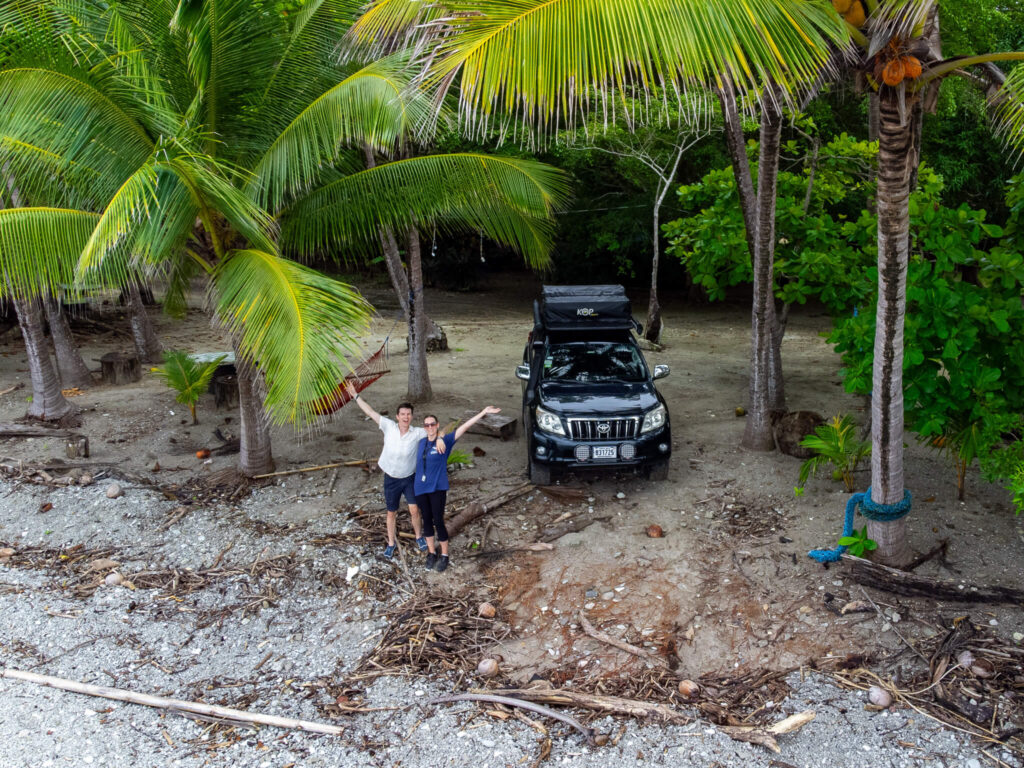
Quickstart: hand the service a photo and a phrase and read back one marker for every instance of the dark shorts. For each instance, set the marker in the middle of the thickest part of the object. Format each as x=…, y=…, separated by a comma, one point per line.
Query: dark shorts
x=395, y=488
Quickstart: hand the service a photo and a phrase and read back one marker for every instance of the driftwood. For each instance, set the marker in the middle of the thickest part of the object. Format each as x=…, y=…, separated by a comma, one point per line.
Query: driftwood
x=179, y=705
x=575, y=526
x=622, y=645
x=592, y=738
x=902, y=583
x=31, y=430
x=558, y=493
x=766, y=736
x=354, y=463
x=15, y=388
x=476, y=509
x=537, y=546
x=611, y=705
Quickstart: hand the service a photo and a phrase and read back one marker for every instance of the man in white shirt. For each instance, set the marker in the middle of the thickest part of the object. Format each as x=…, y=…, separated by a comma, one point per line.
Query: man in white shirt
x=398, y=462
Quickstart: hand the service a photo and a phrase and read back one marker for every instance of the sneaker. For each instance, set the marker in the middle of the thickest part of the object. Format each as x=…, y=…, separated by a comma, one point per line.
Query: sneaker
x=442, y=563
x=421, y=542
x=429, y=562
x=389, y=551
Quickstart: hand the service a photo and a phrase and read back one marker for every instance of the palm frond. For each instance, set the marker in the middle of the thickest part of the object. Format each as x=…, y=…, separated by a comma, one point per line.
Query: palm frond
x=544, y=61
x=375, y=106
x=295, y=323
x=309, y=61
x=392, y=25
x=1008, y=111
x=71, y=119
x=129, y=206
x=511, y=200
x=212, y=192
x=39, y=248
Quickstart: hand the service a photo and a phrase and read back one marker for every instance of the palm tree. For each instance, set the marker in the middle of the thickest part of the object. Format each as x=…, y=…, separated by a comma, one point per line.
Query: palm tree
x=900, y=60
x=549, y=63
x=130, y=121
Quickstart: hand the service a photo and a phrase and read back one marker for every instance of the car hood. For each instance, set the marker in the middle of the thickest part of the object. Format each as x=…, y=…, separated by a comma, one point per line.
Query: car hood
x=597, y=399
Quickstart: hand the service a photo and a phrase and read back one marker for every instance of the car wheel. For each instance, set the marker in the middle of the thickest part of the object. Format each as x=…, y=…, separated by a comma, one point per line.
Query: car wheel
x=539, y=473
x=658, y=471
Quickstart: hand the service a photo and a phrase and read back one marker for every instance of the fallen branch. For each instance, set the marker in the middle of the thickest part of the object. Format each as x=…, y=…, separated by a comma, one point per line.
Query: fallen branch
x=902, y=583
x=30, y=430
x=592, y=738
x=16, y=387
x=476, y=509
x=181, y=705
x=282, y=473
x=766, y=736
x=611, y=705
x=622, y=645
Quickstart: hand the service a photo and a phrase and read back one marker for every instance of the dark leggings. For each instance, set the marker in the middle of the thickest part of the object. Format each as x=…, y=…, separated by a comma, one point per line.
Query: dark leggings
x=432, y=509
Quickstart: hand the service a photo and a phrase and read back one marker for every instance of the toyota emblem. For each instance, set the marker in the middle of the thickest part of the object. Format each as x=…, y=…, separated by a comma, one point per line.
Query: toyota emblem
x=604, y=427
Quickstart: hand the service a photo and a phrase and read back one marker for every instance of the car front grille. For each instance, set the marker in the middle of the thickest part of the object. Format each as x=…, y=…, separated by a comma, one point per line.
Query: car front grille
x=596, y=430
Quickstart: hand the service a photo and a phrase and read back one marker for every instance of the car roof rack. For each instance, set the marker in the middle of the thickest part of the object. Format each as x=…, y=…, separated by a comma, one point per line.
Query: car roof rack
x=584, y=307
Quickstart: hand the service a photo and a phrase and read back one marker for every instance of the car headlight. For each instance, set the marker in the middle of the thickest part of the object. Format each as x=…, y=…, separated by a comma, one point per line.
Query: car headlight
x=549, y=422
x=654, y=419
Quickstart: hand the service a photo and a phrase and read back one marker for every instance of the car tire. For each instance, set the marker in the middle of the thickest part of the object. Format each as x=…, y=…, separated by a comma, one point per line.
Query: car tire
x=540, y=474
x=658, y=471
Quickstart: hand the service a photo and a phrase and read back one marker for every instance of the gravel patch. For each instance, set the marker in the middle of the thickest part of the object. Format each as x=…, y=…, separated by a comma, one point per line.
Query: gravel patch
x=275, y=644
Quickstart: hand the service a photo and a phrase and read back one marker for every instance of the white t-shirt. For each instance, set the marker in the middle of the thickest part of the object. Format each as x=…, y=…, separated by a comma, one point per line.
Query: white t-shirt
x=398, y=458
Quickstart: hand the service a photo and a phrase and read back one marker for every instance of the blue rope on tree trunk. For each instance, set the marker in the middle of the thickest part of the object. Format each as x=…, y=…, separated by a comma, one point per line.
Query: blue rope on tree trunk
x=869, y=509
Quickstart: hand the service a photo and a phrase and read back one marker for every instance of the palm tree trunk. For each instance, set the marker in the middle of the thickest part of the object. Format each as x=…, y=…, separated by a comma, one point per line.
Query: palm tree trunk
x=147, y=344
x=255, y=456
x=71, y=367
x=47, y=401
x=419, y=377
x=895, y=152
x=758, y=433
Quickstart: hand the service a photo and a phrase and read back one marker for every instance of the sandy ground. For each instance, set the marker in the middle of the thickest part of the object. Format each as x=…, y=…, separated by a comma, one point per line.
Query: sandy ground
x=727, y=590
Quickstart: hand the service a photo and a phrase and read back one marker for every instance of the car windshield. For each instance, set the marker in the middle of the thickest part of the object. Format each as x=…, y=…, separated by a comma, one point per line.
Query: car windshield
x=594, y=361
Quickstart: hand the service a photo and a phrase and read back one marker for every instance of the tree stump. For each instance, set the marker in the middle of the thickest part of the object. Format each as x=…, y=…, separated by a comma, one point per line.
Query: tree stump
x=224, y=386
x=120, y=368
x=78, y=447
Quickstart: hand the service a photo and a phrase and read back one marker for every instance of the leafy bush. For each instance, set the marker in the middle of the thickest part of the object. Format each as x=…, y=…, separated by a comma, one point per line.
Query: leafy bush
x=459, y=458
x=186, y=377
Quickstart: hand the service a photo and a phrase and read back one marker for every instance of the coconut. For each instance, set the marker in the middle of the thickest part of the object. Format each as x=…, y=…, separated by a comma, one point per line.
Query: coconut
x=655, y=532
x=487, y=667
x=113, y=579
x=486, y=610
x=879, y=697
x=114, y=490
x=688, y=689
x=85, y=480
x=965, y=659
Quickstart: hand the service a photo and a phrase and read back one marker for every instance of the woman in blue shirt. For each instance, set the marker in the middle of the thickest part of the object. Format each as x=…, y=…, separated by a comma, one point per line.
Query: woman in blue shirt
x=431, y=484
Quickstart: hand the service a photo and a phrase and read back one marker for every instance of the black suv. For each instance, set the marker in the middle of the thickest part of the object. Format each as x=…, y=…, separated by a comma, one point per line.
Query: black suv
x=589, y=400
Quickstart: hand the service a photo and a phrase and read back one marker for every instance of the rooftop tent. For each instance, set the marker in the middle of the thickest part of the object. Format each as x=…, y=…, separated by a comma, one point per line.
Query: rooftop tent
x=585, y=307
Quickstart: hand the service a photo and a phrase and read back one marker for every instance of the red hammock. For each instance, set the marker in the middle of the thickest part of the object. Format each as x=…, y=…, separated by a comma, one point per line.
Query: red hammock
x=362, y=376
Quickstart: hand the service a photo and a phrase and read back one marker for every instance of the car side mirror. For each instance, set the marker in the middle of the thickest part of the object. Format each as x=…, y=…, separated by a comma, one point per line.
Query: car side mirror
x=661, y=371
x=523, y=372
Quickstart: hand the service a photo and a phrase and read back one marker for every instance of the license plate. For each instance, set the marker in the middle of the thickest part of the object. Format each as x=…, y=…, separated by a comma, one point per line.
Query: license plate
x=604, y=451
